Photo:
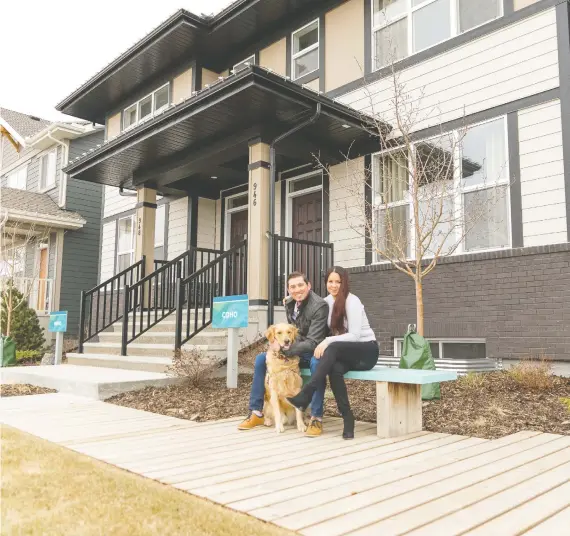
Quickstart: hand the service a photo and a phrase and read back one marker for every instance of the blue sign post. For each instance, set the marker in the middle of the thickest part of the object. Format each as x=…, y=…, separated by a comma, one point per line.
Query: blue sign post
x=58, y=325
x=231, y=313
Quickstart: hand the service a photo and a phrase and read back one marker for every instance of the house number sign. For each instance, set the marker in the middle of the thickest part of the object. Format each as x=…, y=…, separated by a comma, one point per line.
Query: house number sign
x=255, y=194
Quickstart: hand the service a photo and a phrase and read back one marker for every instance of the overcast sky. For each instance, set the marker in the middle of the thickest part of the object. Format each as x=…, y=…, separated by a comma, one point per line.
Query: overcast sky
x=51, y=48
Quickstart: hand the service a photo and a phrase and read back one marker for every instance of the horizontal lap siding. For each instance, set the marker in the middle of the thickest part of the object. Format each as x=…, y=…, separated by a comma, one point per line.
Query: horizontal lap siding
x=208, y=223
x=542, y=174
x=501, y=67
x=177, y=227
x=115, y=203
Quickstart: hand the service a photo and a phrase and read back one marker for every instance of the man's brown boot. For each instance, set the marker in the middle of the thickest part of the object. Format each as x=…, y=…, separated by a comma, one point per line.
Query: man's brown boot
x=251, y=422
x=315, y=428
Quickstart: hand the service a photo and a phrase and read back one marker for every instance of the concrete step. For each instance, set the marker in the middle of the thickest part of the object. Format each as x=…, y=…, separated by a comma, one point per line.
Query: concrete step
x=148, y=364
x=215, y=337
x=168, y=324
x=153, y=350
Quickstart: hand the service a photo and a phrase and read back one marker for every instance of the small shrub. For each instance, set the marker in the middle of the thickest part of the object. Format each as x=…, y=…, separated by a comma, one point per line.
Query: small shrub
x=194, y=365
x=472, y=381
x=28, y=355
x=532, y=373
x=566, y=402
x=250, y=349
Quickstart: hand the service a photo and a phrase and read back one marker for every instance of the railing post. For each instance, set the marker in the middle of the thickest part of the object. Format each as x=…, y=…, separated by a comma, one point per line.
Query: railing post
x=125, y=331
x=179, y=305
x=143, y=267
x=81, y=322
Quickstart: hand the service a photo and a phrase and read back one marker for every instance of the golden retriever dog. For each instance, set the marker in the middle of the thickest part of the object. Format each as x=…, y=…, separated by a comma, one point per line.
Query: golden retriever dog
x=283, y=379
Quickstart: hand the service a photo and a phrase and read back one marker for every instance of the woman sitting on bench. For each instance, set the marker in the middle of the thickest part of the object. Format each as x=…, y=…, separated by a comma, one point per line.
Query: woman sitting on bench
x=351, y=346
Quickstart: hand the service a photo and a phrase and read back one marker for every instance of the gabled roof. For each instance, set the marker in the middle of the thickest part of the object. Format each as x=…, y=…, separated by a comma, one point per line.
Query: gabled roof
x=23, y=124
x=39, y=208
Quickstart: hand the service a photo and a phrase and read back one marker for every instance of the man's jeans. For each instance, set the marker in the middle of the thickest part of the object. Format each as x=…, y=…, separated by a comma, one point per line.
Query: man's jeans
x=258, y=385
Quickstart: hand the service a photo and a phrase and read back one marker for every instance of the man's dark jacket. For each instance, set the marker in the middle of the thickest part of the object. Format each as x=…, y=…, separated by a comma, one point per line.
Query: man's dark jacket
x=311, y=323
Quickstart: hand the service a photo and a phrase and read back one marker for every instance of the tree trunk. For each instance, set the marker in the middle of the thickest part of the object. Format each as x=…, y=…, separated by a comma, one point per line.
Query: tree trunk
x=420, y=307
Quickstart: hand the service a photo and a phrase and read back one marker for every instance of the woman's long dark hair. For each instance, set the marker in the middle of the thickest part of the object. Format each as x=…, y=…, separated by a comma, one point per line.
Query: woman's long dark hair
x=338, y=315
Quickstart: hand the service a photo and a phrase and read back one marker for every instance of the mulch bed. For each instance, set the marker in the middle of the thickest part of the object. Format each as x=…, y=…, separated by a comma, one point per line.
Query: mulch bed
x=21, y=389
x=496, y=407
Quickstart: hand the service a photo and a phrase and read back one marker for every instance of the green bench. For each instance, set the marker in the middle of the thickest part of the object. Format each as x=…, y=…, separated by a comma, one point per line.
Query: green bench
x=398, y=396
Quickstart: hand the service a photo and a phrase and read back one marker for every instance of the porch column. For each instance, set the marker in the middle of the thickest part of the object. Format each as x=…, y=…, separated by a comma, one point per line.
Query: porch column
x=144, y=231
x=258, y=222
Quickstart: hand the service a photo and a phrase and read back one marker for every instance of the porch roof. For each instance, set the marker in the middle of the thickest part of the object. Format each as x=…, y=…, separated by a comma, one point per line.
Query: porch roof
x=37, y=209
x=207, y=136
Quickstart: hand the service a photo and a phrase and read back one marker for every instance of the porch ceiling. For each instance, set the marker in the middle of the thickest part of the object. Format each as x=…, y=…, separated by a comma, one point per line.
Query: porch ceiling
x=207, y=136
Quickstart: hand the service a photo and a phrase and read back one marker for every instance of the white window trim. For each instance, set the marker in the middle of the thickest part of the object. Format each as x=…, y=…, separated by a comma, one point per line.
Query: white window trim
x=296, y=55
x=250, y=59
x=408, y=14
x=17, y=170
x=440, y=341
x=228, y=218
x=131, y=251
x=459, y=191
x=300, y=193
x=43, y=155
x=137, y=105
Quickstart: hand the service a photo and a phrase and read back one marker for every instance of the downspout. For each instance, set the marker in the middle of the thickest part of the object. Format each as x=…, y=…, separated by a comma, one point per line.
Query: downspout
x=122, y=193
x=272, y=179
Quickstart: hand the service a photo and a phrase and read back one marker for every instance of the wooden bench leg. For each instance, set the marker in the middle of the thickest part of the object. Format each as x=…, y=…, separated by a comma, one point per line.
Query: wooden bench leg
x=398, y=409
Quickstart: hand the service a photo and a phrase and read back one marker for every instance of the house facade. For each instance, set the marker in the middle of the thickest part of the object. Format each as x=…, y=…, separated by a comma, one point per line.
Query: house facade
x=50, y=222
x=214, y=128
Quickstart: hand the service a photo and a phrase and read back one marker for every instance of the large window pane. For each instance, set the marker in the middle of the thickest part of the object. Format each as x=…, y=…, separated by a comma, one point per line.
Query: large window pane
x=464, y=350
x=125, y=234
x=473, y=14
x=123, y=262
x=484, y=154
x=435, y=163
x=437, y=225
x=306, y=37
x=393, y=181
x=392, y=230
x=486, y=218
x=388, y=10
x=130, y=116
x=306, y=63
x=145, y=107
x=161, y=98
x=391, y=43
x=431, y=24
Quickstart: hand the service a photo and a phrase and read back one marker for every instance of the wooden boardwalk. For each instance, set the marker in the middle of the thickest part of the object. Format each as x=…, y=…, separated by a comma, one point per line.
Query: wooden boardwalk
x=422, y=484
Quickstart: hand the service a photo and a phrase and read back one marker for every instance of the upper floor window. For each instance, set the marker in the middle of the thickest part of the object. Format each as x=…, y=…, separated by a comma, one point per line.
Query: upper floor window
x=17, y=179
x=403, y=27
x=146, y=107
x=48, y=170
x=461, y=208
x=305, y=50
x=244, y=64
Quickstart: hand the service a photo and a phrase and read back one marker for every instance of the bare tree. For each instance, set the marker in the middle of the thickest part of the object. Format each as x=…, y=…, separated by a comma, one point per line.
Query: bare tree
x=423, y=199
x=16, y=239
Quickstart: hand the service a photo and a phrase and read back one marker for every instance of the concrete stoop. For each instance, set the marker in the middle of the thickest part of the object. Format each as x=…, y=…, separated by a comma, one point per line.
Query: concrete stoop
x=96, y=382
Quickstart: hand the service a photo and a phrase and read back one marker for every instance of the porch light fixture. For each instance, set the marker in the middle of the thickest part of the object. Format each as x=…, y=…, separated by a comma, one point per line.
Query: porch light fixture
x=345, y=126
x=214, y=178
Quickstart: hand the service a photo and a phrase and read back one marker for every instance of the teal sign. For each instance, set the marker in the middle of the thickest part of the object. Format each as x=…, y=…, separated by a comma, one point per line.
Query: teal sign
x=231, y=312
x=58, y=322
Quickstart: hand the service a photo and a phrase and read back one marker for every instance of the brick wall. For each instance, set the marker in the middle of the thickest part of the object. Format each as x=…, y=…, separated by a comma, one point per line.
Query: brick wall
x=518, y=300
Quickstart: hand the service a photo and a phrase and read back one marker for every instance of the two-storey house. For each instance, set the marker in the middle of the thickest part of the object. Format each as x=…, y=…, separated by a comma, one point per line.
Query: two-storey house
x=212, y=126
x=50, y=223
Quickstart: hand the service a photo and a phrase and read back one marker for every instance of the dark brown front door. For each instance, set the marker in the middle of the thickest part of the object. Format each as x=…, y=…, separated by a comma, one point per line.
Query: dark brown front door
x=308, y=225
x=237, y=262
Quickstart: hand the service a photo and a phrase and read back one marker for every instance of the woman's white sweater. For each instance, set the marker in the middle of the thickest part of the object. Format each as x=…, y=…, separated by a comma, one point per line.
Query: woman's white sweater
x=356, y=322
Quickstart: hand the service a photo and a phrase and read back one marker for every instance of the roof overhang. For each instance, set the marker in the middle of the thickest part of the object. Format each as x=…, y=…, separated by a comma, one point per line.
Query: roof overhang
x=15, y=139
x=58, y=132
x=207, y=135
x=184, y=37
x=40, y=220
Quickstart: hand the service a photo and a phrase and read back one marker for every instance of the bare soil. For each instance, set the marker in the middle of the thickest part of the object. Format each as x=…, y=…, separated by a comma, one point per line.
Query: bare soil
x=21, y=389
x=493, y=407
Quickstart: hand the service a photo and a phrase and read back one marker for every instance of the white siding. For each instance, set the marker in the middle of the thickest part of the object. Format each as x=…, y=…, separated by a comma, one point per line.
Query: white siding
x=116, y=203
x=208, y=223
x=177, y=227
x=346, y=223
x=542, y=175
x=498, y=68
x=108, y=251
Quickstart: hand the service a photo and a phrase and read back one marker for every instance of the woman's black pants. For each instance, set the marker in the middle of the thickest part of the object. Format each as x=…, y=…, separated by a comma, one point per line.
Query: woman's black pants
x=338, y=359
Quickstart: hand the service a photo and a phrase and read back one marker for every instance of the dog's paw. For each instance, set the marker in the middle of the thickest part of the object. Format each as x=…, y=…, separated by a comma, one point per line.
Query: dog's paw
x=268, y=422
x=279, y=428
x=302, y=427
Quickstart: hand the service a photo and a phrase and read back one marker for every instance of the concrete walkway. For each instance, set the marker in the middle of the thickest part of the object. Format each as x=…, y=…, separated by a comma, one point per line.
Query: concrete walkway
x=422, y=484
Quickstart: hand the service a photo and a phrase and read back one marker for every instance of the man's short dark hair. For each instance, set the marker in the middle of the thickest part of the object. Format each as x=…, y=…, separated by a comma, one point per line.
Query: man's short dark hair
x=294, y=275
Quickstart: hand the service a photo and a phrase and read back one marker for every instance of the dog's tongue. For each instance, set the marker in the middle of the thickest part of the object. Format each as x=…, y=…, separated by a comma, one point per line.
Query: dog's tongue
x=286, y=346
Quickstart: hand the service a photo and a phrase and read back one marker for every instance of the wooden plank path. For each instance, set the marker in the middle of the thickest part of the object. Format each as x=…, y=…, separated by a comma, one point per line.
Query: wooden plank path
x=422, y=484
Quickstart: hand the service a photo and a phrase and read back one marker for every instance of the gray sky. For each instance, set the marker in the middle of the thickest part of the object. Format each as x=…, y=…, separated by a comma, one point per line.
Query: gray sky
x=51, y=48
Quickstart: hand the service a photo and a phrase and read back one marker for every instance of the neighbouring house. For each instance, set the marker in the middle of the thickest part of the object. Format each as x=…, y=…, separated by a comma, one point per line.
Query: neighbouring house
x=193, y=162
x=51, y=223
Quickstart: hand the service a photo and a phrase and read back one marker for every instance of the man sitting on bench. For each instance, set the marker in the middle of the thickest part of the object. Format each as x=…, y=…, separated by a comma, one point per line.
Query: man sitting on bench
x=309, y=313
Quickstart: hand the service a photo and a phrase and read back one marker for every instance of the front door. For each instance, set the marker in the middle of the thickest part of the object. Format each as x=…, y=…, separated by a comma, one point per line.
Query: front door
x=307, y=224
x=237, y=262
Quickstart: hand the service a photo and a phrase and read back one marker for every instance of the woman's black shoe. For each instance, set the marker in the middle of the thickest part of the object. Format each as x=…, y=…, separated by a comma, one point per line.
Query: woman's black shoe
x=348, y=429
x=299, y=401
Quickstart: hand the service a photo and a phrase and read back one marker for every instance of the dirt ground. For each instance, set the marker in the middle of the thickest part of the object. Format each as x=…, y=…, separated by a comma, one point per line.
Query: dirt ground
x=493, y=406
x=23, y=389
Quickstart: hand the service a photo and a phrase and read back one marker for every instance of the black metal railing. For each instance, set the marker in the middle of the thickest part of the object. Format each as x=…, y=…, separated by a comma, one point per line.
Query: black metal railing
x=295, y=255
x=103, y=305
x=191, y=260
x=226, y=275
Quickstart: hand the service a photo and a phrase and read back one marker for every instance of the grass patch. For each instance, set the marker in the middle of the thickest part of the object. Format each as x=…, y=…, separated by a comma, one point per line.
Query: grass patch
x=534, y=374
x=472, y=381
x=47, y=489
x=566, y=402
